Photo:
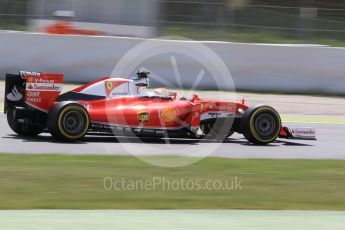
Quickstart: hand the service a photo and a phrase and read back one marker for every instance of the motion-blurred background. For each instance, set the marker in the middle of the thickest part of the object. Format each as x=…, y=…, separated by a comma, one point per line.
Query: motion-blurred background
x=272, y=21
x=300, y=52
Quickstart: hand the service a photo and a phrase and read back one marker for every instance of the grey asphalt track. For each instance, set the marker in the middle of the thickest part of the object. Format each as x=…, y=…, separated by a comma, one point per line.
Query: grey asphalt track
x=330, y=145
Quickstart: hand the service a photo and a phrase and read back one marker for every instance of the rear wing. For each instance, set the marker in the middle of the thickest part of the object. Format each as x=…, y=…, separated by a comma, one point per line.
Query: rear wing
x=32, y=89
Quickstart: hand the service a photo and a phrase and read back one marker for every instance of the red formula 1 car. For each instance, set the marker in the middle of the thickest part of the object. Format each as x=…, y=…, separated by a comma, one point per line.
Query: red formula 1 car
x=119, y=106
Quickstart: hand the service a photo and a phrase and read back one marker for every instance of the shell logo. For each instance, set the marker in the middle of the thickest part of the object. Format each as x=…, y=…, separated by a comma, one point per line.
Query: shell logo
x=168, y=114
x=29, y=79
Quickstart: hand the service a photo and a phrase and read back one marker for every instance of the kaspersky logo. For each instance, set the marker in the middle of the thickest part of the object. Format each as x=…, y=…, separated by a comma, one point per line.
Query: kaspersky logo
x=14, y=95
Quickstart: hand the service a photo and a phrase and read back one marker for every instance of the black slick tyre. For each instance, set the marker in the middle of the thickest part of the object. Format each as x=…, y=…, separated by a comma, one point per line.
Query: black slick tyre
x=261, y=124
x=68, y=122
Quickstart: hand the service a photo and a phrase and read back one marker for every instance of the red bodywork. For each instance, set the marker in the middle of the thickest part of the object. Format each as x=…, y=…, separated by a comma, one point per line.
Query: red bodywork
x=154, y=112
x=42, y=89
x=120, y=102
x=160, y=112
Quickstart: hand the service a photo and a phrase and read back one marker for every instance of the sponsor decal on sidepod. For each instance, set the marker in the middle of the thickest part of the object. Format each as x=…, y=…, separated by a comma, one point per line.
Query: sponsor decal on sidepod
x=143, y=117
x=168, y=114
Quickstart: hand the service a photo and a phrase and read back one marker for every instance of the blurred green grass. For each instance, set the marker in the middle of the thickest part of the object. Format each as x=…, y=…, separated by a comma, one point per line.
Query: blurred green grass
x=13, y=26
x=76, y=182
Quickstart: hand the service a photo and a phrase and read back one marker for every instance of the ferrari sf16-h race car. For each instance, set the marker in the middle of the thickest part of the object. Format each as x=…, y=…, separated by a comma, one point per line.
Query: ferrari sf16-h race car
x=121, y=107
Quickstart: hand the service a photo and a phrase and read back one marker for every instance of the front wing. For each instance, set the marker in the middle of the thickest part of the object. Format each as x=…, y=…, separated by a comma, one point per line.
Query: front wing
x=298, y=133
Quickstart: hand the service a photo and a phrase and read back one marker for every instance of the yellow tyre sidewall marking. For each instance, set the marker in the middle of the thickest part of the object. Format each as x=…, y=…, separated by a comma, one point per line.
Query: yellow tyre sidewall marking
x=79, y=109
x=252, y=126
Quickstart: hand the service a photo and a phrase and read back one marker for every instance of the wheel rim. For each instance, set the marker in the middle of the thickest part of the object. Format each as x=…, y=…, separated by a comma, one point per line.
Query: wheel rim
x=265, y=125
x=73, y=122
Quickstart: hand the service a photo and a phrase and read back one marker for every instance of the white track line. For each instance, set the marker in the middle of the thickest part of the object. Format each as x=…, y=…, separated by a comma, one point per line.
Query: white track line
x=314, y=122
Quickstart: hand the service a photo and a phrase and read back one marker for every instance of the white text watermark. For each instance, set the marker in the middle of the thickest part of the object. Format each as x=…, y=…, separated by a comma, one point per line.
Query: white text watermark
x=168, y=184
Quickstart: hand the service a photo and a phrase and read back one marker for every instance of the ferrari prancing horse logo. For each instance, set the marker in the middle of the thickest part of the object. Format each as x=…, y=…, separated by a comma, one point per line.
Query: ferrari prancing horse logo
x=109, y=85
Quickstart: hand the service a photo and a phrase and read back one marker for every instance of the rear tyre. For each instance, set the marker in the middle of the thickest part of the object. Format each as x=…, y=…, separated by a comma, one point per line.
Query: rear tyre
x=68, y=122
x=261, y=125
x=22, y=129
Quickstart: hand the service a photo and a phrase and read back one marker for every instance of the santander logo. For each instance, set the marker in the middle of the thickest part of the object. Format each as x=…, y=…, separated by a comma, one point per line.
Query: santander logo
x=303, y=131
x=44, y=87
x=15, y=95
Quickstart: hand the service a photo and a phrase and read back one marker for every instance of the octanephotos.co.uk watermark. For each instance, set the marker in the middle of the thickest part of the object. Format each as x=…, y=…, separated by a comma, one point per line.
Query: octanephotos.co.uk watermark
x=168, y=184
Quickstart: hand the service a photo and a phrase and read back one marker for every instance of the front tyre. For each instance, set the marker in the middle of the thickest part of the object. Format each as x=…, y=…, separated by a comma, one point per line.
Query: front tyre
x=68, y=122
x=261, y=124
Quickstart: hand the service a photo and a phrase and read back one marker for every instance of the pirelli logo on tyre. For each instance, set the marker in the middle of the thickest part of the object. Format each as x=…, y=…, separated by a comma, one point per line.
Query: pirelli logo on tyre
x=143, y=117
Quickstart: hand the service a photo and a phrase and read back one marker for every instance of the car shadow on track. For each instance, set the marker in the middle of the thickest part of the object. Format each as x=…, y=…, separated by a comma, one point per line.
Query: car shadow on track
x=147, y=140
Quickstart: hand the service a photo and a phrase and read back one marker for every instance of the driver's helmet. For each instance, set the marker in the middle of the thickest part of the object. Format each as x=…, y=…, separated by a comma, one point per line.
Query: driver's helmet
x=142, y=79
